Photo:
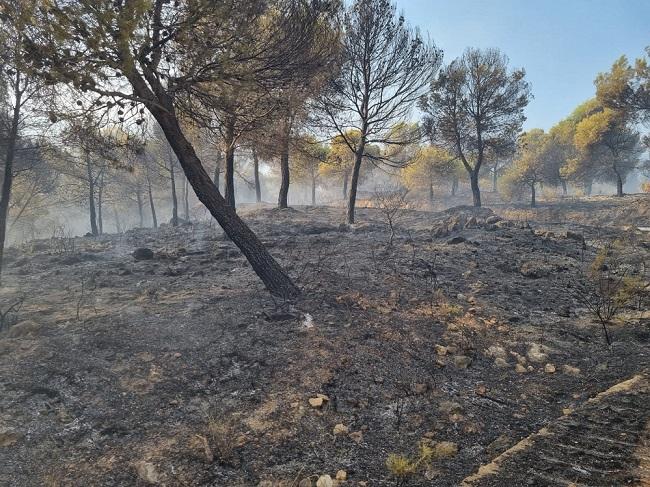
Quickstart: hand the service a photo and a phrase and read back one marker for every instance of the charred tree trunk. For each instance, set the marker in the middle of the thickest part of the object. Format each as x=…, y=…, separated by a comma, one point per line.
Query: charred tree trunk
x=10, y=155
x=283, y=196
x=174, y=197
x=533, y=202
x=91, y=196
x=588, y=188
x=454, y=185
x=230, y=165
x=313, y=191
x=619, y=184
x=256, y=177
x=100, y=204
x=217, y=171
x=186, y=201
x=564, y=187
x=354, y=182
x=476, y=191
x=140, y=208
x=152, y=206
x=494, y=179
x=264, y=265
x=431, y=193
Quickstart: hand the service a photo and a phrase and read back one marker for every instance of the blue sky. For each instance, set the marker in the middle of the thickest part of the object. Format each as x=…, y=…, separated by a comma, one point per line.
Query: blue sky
x=562, y=44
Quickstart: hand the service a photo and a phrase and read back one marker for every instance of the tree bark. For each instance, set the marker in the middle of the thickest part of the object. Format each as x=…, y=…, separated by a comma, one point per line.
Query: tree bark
x=564, y=187
x=619, y=184
x=100, y=203
x=494, y=179
x=476, y=191
x=230, y=165
x=174, y=197
x=283, y=196
x=533, y=203
x=140, y=202
x=186, y=200
x=431, y=193
x=256, y=176
x=8, y=179
x=313, y=191
x=265, y=266
x=91, y=196
x=154, y=220
x=217, y=171
x=354, y=182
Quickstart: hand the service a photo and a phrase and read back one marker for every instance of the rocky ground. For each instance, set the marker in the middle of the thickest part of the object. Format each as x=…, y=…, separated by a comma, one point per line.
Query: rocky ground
x=462, y=340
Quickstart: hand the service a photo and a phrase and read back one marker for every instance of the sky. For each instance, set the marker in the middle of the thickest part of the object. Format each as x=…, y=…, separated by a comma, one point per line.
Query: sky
x=562, y=44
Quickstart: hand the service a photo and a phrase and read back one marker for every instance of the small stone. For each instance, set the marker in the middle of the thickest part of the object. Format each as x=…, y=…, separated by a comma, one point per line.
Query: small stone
x=340, y=429
x=491, y=220
x=325, y=481
x=462, y=361
x=356, y=436
x=316, y=402
x=501, y=363
x=8, y=438
x=549, y=369
x=441, y=350
x=306, y=482
x=535, y=354
x=143, y=253
x=496, y=351
x=456, y=240
x=341, y=475
x=567, y=411
x=147, y=472
x=520, y=369
x=570, y=370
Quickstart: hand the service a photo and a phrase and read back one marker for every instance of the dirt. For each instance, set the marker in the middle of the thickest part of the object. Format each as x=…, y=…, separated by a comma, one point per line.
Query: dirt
x=182, y=370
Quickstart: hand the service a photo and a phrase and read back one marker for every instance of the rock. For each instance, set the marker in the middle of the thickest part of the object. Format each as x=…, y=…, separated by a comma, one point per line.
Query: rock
x=491, y=220
x=147, y=472
x=535, y=354
x=143, y=253
x=549, y=369
x=520, y=369
x=564, y=312
x=341, y=475
x=450, y=407
x=462, y=361
x=316, y=402
x=500, y=362
x=356, y=436
x=445, y=449
x=495, y=351
x=570, y=370
x=578, y=237
x=456, y=240
x=340, y=429
x=535, y=270
x=325, y=481
x=24, y=328
x=305, y=483
x=441, y=350
x=8, y=438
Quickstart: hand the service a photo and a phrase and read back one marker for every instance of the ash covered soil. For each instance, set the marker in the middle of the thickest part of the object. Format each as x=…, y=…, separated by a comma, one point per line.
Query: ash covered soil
x=465, y=333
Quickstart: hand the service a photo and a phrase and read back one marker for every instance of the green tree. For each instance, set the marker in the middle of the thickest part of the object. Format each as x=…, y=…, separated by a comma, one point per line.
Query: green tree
x=626, y=87
x=476, y=104
x=530, y=165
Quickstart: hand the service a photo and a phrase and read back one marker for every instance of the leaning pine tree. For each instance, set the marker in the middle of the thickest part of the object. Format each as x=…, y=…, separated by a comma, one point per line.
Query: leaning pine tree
x=168, y=57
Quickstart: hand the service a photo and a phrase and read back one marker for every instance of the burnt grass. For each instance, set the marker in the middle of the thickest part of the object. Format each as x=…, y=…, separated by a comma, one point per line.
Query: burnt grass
x=183, y=364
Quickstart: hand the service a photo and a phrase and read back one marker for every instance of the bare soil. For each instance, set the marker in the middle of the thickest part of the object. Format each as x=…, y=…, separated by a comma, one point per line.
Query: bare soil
x=182, y=370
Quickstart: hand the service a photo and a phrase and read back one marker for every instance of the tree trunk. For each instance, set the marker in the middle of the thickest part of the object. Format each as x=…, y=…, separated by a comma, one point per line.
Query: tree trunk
x=313, y=191
x=100, y=203
x=91, y=196
x=431, y=193
x=476, y=192
x=138, y=195
x=494, y=179
x=454, y=185
x=230, y=165
x=564, y=187
x=8, y=179
x=272, y=275
x=174, y=197
x=256, y=176
x=118, y=222
x=283, y=196
x=588, y=186
x=533, y=203
x=154, y=220
x=186, y=200
x=217, y=171
x=346, y=176
x=354, y=182
x=619, y=184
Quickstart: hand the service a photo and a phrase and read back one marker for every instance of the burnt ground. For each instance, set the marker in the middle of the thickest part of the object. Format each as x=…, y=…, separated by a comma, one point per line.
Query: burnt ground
x=182, y=370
